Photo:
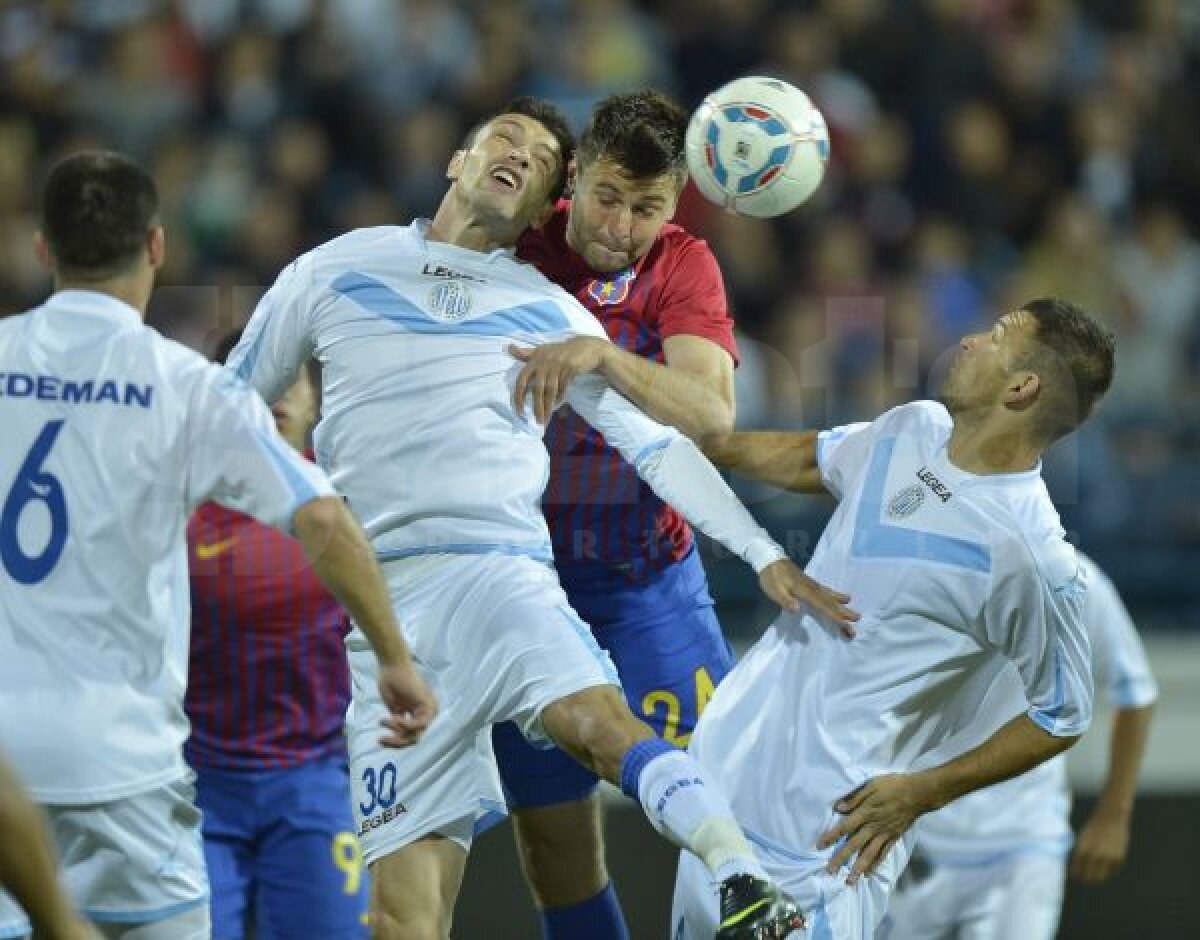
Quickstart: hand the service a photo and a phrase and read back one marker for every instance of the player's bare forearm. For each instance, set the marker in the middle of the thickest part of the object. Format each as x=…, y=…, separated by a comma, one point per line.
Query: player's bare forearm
x=1017, y=747
x=343, y=559
x=1130, y=729
x=27, y=863
x=782, y=458
x=695, y=396
x=878, y=814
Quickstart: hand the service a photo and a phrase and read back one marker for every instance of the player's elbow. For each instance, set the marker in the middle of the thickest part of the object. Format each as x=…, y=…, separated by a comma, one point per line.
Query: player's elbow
x=317, y=523
x=716, y=444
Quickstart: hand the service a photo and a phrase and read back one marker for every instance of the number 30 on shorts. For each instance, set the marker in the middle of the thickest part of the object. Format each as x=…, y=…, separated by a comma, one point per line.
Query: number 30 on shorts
x=669, y=702
x=381, y=788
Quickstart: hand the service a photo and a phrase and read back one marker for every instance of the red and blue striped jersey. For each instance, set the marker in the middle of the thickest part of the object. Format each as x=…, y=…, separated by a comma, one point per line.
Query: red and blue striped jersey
x=268, y=681
x=597, y=508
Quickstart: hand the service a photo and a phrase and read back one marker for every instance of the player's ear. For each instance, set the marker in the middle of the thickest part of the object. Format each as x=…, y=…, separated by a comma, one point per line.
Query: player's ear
x=41, y=248
x=454, y=169
x=572, y=172
x=156, y=246
x=1022, y=390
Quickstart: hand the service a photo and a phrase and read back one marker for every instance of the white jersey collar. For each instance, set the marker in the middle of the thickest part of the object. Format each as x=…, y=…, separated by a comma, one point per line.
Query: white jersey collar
x=420, y=231
x=93, y=303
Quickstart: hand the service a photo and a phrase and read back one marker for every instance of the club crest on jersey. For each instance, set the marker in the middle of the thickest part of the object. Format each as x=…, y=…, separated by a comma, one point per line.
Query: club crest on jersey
x=450, y=301
x=611, y=291
x=906, y=502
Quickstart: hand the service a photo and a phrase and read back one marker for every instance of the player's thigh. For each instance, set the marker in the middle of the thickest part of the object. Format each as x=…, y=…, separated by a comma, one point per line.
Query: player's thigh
x=192, y=924
x=311, y=878
x=134, y=861
x=414, y=888
x=926, y=905
x=1023, y=900
x=229, y=829
x=695, y=905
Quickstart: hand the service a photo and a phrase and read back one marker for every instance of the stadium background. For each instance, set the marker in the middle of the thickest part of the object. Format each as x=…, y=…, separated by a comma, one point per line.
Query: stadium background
x=983, y=151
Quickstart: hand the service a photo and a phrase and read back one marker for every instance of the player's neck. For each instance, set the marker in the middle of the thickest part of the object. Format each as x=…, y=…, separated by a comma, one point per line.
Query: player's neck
x=131, y=290
x=455, y=224
x=982, y=447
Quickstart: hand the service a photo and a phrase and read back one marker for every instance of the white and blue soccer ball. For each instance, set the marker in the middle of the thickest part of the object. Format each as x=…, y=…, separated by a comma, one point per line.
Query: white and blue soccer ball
x=757, y=146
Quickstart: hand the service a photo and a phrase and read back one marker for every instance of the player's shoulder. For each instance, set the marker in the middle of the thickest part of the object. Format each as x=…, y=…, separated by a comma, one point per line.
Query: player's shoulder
x=359, y=245
x=677, y=249
x=916, y=417
x=1033, y=541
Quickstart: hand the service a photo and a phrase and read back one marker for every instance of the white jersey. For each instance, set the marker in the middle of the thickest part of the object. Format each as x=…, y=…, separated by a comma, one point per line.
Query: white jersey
x=111, y=435
x=1032, y=812
x=955, y=575
x=417, y=427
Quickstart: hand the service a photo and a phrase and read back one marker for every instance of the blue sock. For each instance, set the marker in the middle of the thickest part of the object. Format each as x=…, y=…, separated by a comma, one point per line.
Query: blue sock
x=635, y=761
x=597, y=918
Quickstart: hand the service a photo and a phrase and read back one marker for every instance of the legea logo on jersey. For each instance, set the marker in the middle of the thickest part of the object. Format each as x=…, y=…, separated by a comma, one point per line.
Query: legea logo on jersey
x=906, y=502
x=612, y=291
x=450, y=301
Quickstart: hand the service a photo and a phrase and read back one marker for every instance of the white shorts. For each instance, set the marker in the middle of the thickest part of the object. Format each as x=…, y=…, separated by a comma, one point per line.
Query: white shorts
x=138, y=860
x=496, y=640
x=832, y=909
x=1014, y=897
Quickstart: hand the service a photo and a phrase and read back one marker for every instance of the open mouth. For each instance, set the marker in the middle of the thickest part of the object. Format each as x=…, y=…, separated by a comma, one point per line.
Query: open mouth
x=506, y=177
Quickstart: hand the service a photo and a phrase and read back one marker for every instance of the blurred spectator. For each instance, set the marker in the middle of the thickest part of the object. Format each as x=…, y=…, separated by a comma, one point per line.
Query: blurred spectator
x=984, y=151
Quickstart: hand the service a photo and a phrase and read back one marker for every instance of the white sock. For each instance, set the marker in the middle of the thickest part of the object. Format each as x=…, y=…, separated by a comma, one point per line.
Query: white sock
x=683, y=804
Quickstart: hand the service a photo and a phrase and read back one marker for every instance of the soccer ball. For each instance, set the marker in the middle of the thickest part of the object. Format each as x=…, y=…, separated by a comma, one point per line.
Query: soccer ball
x=757, y=146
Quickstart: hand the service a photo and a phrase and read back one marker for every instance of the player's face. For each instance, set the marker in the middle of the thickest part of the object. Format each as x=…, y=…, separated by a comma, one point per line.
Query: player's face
x=508, y=173
x=296, y=412
x=614, y=217
x=985, y=362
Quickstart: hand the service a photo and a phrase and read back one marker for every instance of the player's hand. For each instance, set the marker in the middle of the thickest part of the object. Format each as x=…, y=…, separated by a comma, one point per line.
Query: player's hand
x=1101, y=848
x=551, y=368
x=875, y=815
x=410, y=702
x=789, y=587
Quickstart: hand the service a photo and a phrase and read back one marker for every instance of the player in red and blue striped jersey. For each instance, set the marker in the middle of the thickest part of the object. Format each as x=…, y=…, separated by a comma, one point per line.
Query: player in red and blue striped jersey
x=267, y=693
x=626, y=559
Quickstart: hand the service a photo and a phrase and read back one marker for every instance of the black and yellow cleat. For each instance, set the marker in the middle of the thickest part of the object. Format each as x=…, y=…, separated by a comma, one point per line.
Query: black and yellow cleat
x=753, y=909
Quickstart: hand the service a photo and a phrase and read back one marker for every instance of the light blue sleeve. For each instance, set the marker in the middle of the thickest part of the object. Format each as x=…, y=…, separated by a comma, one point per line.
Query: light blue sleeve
x=1119, y=660
x=236, y=457
x=1034, y=616
x=278, y=340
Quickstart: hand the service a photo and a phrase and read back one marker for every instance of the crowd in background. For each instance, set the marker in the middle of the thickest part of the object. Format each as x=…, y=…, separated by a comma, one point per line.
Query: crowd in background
x=984, y=151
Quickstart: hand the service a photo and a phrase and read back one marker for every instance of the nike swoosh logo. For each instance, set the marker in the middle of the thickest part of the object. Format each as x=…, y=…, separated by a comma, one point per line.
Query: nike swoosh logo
x=207, y=550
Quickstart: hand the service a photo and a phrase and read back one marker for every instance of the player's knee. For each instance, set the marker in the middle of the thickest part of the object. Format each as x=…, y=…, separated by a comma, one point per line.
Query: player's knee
x=392, y=922
x=596, y=727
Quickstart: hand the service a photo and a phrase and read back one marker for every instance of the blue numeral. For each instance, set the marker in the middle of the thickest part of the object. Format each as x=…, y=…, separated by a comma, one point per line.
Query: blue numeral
x=33, y=484
x=381, y=789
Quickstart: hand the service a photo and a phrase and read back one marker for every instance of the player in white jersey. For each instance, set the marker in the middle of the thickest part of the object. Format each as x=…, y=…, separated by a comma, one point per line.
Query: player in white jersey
x=947, y=540
x=419, y=431
x=112, y=436
x=991, y=866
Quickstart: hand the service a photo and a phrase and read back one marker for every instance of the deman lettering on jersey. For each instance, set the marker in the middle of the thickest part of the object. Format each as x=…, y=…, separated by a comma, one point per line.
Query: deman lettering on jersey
x=437, y=270
x=940, y=490
x=381, y=819
x=73, y=392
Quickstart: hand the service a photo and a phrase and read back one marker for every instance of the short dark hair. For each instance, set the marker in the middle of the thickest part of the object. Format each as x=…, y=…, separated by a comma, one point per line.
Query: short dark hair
x=97, y=208
x=643, y=132
x=1080, y=356
x=551, y=118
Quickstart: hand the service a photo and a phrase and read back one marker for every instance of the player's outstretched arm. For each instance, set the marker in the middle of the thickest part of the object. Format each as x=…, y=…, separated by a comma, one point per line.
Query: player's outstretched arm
x=1104, y=840
x=879, y=812
x=781, y=458
x=343, y=559
x=27, y=865
x=693, y=391
x=678, y=473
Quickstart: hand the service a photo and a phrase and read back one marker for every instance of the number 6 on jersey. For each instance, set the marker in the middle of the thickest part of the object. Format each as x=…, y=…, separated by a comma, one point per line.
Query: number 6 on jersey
x=34, y=484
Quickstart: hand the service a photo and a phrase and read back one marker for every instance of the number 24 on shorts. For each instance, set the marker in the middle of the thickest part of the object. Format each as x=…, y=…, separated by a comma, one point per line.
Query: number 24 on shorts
x=669, y=701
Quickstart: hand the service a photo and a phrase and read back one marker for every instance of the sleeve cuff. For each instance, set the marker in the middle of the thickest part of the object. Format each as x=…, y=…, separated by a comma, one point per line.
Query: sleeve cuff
x=762, y=553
